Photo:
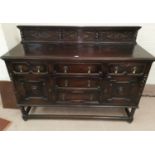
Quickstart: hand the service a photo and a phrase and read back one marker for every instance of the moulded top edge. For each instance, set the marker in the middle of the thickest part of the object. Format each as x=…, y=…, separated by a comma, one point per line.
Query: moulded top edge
x=99, y=27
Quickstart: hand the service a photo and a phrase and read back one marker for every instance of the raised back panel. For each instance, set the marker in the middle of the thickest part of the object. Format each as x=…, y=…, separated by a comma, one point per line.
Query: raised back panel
x=66, y=34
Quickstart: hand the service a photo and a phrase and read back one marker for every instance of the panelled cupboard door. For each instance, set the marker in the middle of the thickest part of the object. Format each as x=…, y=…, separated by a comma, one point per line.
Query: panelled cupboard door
x=34, y=91
x=122, y=91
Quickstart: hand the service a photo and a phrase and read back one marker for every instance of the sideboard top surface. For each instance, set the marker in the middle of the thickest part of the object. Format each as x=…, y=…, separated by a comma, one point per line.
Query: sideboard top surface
x=83, y=52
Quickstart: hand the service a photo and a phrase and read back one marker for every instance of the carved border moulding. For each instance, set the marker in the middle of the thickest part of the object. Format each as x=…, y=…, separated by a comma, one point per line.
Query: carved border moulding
x=117, y=36
x=89, y=36
x=36, y=35
x=68, y=35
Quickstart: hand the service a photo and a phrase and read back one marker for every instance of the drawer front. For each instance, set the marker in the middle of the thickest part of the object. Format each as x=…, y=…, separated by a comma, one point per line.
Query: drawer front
x=77, y=98
x=22, y=68
x=78, y=82
x=78, y=68
x=126, y=68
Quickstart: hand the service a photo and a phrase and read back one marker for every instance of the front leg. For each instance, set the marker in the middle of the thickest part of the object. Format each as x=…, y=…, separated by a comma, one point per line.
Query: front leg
x=130, y=114
x=24, y=113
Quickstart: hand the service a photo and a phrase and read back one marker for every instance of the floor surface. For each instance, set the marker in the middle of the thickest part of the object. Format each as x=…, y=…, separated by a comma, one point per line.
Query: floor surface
x=144, y=120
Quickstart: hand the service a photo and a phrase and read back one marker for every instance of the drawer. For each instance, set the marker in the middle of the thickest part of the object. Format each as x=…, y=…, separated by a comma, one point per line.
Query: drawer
x=39, y=68
x=26, y=68
x=78, y=82
x=78, y=68
x=77, y=98
x=20, y=68
x=126, y=68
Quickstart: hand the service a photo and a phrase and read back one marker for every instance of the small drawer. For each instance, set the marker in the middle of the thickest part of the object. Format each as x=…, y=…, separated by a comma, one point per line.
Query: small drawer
x=126, y=68
x=20, y=68
x=39, y=69
x=78, y=82
x=78, y=68
x=136, y=69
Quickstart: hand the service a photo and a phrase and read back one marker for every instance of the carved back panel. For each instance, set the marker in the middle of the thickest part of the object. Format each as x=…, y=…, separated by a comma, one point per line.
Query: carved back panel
x=62, y=34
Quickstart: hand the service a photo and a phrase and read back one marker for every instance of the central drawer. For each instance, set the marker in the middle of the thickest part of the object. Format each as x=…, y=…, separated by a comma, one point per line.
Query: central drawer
x=78, y=68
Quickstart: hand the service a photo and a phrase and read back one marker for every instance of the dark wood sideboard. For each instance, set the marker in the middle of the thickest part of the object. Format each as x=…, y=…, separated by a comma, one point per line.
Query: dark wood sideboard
x=78, y=67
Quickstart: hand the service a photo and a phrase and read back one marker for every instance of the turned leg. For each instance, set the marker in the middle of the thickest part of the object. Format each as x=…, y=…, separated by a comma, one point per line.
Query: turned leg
x=28, y=110
x=130, y=114
x=25, y=112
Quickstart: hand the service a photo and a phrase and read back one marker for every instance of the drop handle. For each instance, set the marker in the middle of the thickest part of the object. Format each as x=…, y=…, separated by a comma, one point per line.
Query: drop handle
x=134, y=70
x=38, y=69
x=89, y=70
x=65, y=69
x=34, y=87
x=116, y=70
x=20, y=68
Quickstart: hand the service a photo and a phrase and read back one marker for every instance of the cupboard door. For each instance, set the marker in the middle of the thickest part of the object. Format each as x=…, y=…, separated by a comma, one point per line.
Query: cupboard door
x=123, y=91
x=33, y=90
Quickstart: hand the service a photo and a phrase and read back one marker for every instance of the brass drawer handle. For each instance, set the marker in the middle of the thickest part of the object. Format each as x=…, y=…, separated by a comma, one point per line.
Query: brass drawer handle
x=116, y=70
x=38, y=69
x=89, y=70
x=34, y=87
x=65, y=69
x=20, y=68
x=134, y=70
